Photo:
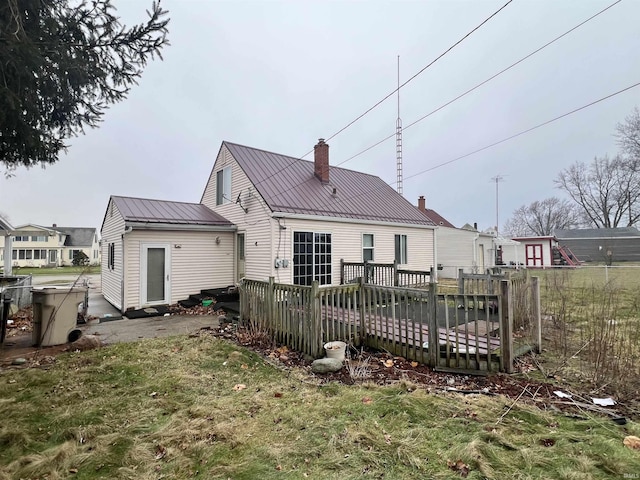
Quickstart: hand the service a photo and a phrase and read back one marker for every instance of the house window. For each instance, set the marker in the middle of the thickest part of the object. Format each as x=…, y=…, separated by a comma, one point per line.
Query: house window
x=223, y=186
x=111, y=261
x=21, y=238
x=311, y=258
x=53, y=256
x=367, y=247
x=14, y=255
x=401, y=249
x=39, y=238
x=39, y=254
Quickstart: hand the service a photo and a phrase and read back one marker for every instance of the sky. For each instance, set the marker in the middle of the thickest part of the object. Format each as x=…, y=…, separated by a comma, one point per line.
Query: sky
x=279, y=75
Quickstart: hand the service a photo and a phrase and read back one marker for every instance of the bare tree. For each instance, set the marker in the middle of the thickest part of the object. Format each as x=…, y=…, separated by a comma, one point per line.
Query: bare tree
x=542, y=218
x=628, y=135
x=607, y=191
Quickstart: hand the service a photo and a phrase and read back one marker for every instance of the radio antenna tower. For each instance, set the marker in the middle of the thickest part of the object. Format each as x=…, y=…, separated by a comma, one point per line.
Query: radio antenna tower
x=399, y=139
x=498, y=178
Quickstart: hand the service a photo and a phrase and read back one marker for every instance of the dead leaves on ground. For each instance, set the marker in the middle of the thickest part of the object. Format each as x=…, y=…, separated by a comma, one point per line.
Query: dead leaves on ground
x=459, y=467
x=632, y=442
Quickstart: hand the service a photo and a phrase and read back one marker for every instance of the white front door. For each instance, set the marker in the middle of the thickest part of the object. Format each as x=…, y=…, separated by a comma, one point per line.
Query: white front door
x=240, y=256
x=155, y=274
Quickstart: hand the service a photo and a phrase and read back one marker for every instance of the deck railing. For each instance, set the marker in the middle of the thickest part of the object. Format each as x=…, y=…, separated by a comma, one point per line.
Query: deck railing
x=465, y=331
x=385, y=274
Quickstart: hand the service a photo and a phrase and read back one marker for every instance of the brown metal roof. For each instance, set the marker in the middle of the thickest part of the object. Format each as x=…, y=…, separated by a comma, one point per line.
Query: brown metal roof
x=162, y=211
x=289, y=185
x=436, y=218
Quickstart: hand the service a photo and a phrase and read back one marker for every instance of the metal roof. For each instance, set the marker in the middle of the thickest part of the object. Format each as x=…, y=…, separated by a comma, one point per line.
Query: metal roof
x=288, y=185
x=436, y=218
x=622, y=232
x=162, y=211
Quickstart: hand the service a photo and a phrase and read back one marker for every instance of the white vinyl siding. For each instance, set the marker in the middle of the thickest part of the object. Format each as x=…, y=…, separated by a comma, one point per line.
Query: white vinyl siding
x=113, y=278
x=460, y=249
x=261, y=232
x=347, y=244
x=199, y=262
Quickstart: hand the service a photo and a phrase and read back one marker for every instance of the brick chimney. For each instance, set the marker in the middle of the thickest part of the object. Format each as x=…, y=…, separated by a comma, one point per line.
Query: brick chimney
x=321, y=161
x=54, y=225
x=422, y=204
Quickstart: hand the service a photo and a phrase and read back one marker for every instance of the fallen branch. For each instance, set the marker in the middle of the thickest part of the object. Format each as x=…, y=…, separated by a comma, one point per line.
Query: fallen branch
x=513, y=404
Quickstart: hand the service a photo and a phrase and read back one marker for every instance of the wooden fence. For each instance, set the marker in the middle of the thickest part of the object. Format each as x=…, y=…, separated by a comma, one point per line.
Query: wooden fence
x=471, y=331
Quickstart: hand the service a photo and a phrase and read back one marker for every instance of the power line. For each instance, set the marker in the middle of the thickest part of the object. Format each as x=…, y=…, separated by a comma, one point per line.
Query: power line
x=393, y=92
x=293, y=187
x=511, y=137
x=420, y=71
x=483, y=82
x=523, y=131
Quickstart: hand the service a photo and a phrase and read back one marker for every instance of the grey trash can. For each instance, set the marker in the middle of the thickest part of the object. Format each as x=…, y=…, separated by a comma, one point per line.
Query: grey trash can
x=55, y=314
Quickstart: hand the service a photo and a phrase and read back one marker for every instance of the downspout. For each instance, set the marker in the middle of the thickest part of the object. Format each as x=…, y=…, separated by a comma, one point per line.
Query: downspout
x=475, y=250
x=435, y=254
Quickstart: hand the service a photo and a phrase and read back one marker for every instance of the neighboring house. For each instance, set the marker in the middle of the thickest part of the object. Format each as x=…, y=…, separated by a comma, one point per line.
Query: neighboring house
x=159, y=252
x=261, y=215
x=602, y=244
x=38, y=246
x=6, y=230
x=459, y=248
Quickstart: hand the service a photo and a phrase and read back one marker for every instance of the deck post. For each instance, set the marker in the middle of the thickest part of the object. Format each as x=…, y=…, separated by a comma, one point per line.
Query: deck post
x=366, y=272
x=362, y=306
x=506, y=327
x=271, y=305
x=243, y=301
x=434, y=334
x=396, y=274
x=536, y=314
x=315, y=327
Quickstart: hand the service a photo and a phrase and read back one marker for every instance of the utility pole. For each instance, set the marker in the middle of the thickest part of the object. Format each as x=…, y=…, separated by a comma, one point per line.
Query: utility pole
x=498, y=178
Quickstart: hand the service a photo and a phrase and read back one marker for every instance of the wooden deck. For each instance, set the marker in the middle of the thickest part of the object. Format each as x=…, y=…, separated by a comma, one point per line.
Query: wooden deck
x=462, y=339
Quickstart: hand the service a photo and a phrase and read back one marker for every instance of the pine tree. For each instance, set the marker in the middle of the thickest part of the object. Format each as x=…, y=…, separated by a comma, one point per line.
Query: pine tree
x=62, y=63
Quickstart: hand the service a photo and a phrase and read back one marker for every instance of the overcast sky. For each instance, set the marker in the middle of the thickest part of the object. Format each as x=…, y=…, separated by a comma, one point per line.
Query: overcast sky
x=279, y=75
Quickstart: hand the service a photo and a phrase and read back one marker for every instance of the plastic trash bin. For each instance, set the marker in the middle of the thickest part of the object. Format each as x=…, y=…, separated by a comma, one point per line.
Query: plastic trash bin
x=55, y=314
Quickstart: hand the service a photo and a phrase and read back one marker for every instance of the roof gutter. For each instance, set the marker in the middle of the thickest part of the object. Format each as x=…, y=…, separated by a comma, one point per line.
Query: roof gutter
x=179, y=226
x=319, y=218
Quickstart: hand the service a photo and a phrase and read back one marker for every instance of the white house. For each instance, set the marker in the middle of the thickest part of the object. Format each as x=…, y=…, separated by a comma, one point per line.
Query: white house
x=458, y=249
x=262, y=214
x=38, y=246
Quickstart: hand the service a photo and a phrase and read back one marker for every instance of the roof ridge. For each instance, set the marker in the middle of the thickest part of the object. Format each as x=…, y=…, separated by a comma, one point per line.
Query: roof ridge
x=299, y=159
x=157, y=200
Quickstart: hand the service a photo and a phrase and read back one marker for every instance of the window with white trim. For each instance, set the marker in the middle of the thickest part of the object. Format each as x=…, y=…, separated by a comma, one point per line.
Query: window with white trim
x=367, y=247
x=311, y=258
x=111, y=256
x=401, y=249
x=223, y=186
